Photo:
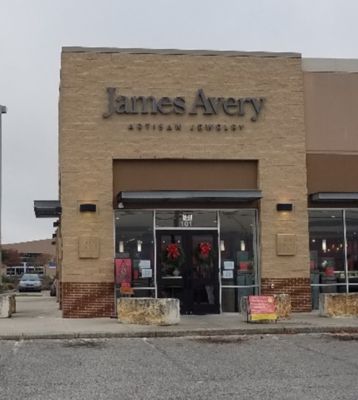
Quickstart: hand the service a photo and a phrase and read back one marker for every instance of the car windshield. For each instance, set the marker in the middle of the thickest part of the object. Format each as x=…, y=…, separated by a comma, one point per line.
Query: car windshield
x=30, y=277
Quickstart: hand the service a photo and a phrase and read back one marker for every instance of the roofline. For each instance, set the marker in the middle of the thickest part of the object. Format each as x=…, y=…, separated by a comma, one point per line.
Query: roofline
x=330, y=64
x=177, y=52
x=25, y=242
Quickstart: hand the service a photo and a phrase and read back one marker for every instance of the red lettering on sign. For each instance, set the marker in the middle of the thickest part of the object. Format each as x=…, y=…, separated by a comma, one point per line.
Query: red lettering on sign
x=261, y=304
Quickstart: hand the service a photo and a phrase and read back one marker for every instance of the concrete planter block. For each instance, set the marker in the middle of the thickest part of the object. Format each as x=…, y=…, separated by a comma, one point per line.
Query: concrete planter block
x=282, y=305
x=244, y=303
x=12, y=303
x=338, y=304
x=148, y=311
x=5, y=306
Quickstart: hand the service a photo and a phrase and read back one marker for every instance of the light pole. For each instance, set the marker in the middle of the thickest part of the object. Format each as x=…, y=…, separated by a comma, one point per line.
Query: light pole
x=3, y=110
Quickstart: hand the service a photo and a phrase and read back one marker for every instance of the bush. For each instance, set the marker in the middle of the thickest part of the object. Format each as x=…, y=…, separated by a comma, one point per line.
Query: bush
x=10, y=286
x=6, y=287
x=10, y=279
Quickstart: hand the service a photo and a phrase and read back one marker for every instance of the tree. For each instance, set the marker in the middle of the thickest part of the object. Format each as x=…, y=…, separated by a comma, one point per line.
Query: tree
x=11, y=257
x=42, y=259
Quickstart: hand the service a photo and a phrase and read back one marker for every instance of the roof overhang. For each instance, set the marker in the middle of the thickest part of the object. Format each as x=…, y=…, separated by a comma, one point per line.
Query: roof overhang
x=187, y=196
x=47, y=208
x=338, y=197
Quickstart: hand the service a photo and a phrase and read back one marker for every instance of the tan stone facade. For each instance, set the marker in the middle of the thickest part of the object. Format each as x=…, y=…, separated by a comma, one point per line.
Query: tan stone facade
x=89, y=144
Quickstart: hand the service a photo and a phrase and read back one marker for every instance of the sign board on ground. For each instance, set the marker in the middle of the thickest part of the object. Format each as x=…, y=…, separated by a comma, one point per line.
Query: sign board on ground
x=261, y=308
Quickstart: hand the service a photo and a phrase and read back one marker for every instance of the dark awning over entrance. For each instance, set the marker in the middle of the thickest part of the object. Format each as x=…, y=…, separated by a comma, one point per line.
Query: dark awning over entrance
x=47, y=208
x=338, y=197
x=188, y=196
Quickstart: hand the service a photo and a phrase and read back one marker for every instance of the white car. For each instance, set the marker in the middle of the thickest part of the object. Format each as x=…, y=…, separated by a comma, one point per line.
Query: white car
x=30, y=283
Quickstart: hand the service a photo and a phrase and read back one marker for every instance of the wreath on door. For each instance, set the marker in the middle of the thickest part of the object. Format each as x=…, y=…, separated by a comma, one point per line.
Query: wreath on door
x=173, y=256
x=204, y=253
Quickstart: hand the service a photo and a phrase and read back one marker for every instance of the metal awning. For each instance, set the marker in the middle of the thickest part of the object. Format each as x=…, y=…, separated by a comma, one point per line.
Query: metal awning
x=47, y=208
x=187, y=196
x=339, y=197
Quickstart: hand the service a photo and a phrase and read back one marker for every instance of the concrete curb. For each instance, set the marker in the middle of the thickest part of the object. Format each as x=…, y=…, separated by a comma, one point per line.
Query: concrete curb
x=187, y=333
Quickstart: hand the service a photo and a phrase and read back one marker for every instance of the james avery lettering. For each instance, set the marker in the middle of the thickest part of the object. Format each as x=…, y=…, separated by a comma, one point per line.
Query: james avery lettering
x=134, y=105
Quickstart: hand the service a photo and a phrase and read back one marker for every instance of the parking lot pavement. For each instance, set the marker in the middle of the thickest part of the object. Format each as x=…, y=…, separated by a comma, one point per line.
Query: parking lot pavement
x=270, y=367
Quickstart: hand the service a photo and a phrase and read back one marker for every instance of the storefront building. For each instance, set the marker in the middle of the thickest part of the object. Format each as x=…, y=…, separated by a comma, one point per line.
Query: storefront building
x=200, y=175
x=331, y=98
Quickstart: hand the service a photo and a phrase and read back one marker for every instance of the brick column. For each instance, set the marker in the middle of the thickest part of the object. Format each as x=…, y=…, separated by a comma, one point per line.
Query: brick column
x=59, y=294
x=298, y=288
x=87, y=300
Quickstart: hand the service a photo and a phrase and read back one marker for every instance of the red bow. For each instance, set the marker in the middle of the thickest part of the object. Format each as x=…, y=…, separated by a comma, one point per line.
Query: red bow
x=205, y=248
x=173, y=251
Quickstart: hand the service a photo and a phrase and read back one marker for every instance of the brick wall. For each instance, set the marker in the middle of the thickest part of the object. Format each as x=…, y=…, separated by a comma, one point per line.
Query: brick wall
x=59, y=294
x=89, y=143
x=87, y=300
x=298, y=288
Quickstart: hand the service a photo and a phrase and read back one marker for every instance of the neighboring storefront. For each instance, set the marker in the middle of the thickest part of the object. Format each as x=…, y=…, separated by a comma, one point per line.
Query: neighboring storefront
x=331, y=101
x=189, y=168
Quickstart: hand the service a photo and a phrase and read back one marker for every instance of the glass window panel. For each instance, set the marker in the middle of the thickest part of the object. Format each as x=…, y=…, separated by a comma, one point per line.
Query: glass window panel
x=186, y=219
x=327, y=256
x=231, y=298
x=175, y=267
x=134, y=241
x=204, y=269
x=238, y=247
x=352, y=249
x=171, y=269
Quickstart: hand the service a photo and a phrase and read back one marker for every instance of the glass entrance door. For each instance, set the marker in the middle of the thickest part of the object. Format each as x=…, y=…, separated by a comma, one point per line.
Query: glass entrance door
x=187, y=269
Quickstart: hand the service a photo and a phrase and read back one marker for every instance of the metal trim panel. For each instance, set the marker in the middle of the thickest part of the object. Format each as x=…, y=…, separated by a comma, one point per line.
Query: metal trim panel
x=177, y=52
x=334, y=196
x=47, y=208
x=188, y=196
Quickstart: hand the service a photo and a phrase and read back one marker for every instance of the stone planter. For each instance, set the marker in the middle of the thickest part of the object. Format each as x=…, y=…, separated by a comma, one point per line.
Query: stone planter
x=282, y=305
x=13, y=303
x=338, y=304
x=7, y=305
x=148, y=311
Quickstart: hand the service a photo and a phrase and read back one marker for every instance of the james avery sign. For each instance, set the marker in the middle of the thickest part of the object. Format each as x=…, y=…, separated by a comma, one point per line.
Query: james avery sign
x=202, y=104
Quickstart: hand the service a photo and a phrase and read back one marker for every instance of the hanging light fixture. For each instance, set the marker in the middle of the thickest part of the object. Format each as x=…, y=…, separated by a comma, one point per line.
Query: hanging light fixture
x=324, y=245
x=139, y=246
x=242, y=245
x=222, y=245
x=121, y=246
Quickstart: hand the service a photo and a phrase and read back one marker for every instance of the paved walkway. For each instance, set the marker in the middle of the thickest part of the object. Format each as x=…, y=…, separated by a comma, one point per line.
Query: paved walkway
x=38, y=317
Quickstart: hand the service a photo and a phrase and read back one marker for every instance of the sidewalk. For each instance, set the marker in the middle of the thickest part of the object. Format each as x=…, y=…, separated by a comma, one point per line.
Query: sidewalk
x=37, y=317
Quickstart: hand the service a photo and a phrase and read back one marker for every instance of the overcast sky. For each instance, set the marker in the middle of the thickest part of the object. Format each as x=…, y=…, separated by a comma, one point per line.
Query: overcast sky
x=32, y=33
